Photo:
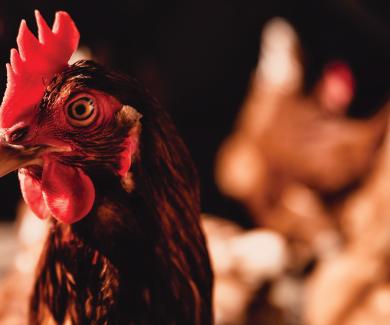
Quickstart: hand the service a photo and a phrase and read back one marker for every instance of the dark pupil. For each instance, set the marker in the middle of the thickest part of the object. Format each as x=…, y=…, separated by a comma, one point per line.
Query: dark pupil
x=80, y=109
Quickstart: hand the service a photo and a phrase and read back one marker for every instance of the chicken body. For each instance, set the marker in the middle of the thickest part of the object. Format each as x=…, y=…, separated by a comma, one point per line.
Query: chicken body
x=138, y=256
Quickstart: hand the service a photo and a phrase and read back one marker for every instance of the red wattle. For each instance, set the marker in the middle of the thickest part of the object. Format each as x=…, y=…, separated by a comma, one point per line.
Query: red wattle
x=32, y=194
x=67, y=191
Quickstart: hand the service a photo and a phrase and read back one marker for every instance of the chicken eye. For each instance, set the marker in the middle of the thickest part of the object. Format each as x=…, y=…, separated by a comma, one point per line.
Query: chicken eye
x=81, y=112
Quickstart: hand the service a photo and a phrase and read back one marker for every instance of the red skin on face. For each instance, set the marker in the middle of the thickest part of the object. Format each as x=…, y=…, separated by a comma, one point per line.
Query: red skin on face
x=63, y=191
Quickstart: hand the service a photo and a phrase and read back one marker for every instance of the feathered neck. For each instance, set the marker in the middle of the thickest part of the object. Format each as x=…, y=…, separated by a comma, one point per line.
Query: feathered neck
x=115, y=267
x=146, y=246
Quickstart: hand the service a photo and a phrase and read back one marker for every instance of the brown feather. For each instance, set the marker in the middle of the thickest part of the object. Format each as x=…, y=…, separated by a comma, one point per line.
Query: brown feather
x=138, y=257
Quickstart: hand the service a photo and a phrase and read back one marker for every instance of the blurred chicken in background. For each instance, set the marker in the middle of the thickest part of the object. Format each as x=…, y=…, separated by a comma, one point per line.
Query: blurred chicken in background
x=318, y=178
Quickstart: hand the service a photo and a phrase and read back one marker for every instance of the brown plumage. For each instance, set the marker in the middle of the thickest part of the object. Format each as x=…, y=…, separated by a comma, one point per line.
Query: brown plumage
x=139, y=256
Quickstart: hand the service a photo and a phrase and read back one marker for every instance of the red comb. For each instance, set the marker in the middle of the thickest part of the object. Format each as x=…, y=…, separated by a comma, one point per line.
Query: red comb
x=36, y=63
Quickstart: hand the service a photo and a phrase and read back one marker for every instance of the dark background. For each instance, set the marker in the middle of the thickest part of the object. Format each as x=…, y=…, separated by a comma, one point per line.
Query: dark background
x=197, y=57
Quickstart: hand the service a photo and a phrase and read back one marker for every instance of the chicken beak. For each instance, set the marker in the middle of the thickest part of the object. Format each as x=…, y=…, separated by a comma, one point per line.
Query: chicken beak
x=13, y=157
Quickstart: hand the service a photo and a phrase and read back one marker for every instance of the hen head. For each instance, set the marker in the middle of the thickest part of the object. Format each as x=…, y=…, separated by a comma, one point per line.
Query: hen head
x=60, y=124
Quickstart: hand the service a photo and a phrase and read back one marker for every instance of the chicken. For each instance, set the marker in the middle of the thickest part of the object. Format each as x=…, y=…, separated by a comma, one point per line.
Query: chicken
x=99, y=157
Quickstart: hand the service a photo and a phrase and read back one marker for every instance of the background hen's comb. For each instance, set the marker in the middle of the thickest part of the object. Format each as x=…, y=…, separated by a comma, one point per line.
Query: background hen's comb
x=34, y=64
